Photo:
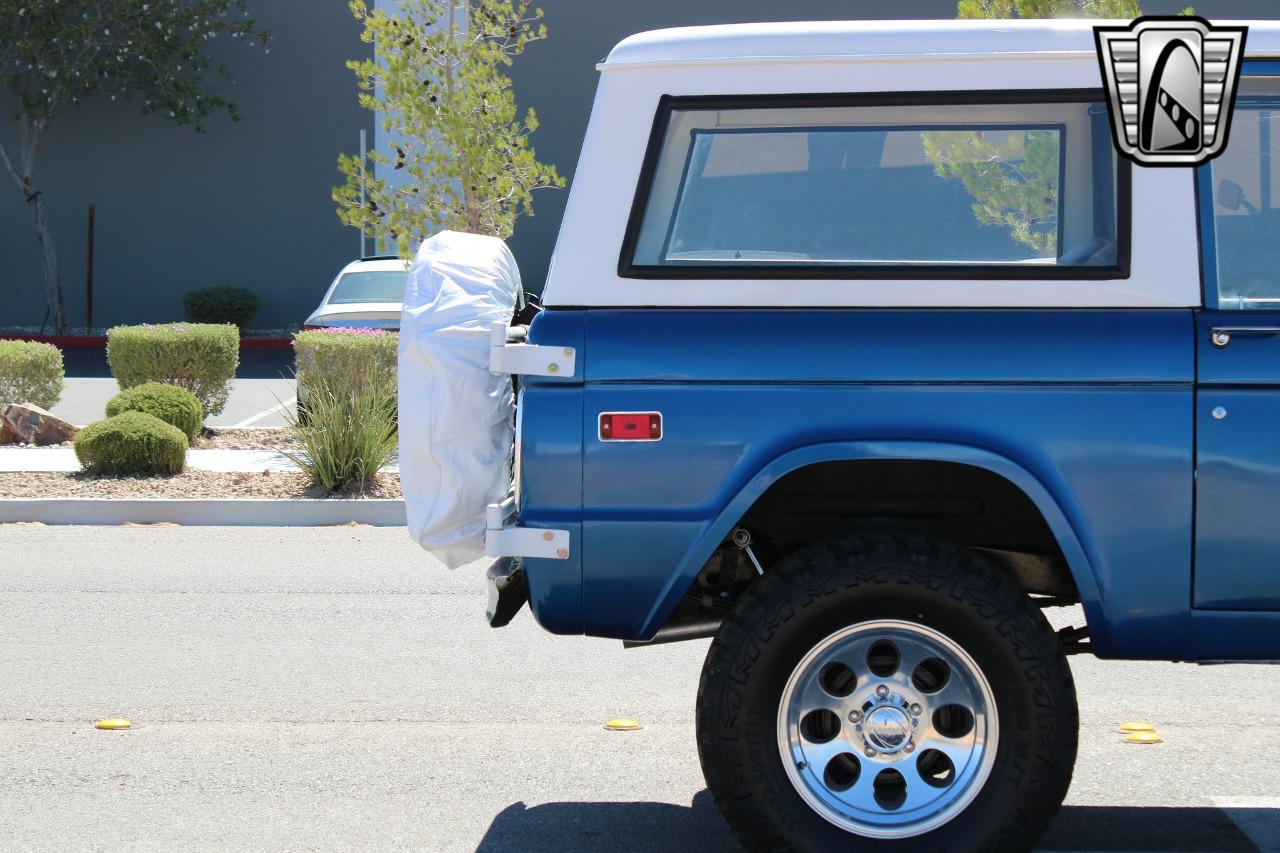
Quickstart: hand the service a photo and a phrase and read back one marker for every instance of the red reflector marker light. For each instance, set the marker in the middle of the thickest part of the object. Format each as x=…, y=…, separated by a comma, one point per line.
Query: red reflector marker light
x=630, y=426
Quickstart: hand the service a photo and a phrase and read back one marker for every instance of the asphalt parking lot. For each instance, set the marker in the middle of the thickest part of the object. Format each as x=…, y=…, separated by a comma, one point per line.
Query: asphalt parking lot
x=335, y=689
x=262, y=391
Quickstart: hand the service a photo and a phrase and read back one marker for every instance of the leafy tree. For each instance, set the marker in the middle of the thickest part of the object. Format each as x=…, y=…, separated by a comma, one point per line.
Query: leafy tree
x=1014, y=182
x=1048, y=9
x=54, y=54
x=437, y=82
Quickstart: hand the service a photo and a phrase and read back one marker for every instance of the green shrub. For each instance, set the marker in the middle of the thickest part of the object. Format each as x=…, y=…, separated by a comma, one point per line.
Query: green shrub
x=349, y=432
x=132, y=443
x=346, y=357
x=171, y=404
x=30, y=372
x=200, y=357
x=222, y=304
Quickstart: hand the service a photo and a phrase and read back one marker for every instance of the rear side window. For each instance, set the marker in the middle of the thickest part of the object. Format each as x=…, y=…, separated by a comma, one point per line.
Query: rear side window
x=744, y=189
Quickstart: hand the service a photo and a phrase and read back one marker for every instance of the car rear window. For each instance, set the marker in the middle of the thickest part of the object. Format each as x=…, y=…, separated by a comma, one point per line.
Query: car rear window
x=369, y=286
x=1024, y=188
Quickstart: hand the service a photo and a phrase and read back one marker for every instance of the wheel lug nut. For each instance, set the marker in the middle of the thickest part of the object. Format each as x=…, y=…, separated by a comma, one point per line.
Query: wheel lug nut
x=910, y=747
x=855, y=717
x=871, y=753
x=916, y=709
x=882, y=691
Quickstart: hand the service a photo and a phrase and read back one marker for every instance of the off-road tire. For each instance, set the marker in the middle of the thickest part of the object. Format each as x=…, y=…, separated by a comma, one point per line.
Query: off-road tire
x=827, y=587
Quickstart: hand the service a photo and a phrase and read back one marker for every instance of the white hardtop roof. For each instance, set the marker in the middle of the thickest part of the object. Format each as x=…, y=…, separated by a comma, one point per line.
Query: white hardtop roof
x=880, y=39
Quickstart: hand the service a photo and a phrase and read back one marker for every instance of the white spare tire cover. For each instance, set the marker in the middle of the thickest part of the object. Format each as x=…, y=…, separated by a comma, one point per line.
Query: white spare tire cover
x=456, y=418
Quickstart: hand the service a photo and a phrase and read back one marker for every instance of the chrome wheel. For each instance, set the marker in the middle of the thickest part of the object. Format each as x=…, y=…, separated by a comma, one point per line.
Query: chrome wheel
x=887, y=729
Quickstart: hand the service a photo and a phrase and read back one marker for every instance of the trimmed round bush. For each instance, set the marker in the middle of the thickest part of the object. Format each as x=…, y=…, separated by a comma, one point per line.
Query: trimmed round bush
x=222, y=304
x=132, y=443
x=171, y=404
x=200, y=357
x=350, y=357
x=30, y=372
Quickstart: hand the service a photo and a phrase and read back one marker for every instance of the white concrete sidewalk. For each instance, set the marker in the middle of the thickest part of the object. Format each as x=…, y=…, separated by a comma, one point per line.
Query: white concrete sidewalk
x=22, y=459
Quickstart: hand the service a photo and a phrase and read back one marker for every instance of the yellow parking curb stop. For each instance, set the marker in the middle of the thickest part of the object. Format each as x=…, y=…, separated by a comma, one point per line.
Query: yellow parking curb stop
x=622, y=725
x=1143, y=737
x=113, y=724
x=1137, y=727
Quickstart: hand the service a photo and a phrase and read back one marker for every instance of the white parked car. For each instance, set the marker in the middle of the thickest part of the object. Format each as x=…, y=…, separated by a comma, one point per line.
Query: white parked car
x=367, y=294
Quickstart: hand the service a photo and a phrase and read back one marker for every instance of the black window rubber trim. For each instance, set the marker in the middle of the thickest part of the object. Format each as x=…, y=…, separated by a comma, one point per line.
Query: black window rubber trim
x=667, y=104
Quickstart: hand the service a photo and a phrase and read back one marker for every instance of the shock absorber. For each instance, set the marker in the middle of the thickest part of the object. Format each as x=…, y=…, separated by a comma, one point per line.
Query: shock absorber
x=741, y=538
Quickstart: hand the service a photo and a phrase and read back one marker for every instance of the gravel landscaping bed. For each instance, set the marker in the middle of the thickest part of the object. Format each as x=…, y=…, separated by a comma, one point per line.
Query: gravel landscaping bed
x=22, y=445
x=190, y=484
x=226, y=438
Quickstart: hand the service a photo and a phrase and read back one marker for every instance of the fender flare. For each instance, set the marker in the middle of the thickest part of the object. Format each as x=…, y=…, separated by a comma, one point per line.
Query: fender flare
x=1080, y=558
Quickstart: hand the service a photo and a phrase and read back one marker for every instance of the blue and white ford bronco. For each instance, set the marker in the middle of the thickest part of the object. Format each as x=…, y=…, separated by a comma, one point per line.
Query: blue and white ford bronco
x=861, y=348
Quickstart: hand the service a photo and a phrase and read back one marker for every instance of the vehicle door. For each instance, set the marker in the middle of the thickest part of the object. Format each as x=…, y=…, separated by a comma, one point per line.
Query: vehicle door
x=1237, y=549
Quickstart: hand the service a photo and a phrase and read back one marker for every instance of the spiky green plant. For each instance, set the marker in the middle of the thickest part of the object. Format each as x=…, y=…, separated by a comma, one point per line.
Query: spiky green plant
x=348, y=434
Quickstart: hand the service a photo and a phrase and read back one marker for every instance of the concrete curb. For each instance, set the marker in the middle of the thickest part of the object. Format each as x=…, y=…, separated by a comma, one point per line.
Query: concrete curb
x=206, y=512
x=62, y=460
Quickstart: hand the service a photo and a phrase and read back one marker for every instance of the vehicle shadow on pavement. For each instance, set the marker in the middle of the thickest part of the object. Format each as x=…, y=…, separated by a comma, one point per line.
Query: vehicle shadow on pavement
x=664, y=827
x=1155, y=829
x=634, y=827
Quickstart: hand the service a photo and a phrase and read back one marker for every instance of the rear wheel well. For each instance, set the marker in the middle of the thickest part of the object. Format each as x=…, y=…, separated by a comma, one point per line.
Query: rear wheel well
x=964, y=504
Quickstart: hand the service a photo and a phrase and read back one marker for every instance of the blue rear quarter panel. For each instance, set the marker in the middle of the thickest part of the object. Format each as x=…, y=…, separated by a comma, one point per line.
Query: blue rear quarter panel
x=1089, y=412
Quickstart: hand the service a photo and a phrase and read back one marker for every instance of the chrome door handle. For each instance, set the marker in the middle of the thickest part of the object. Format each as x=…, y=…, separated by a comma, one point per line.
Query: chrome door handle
x=1220, y=336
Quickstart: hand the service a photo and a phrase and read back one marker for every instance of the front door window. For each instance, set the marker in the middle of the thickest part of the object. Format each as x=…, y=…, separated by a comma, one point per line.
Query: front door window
x=1244, y=185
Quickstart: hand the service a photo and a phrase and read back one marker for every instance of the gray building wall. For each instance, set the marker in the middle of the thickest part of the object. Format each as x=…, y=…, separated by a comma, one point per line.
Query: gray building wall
x=248, y=203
